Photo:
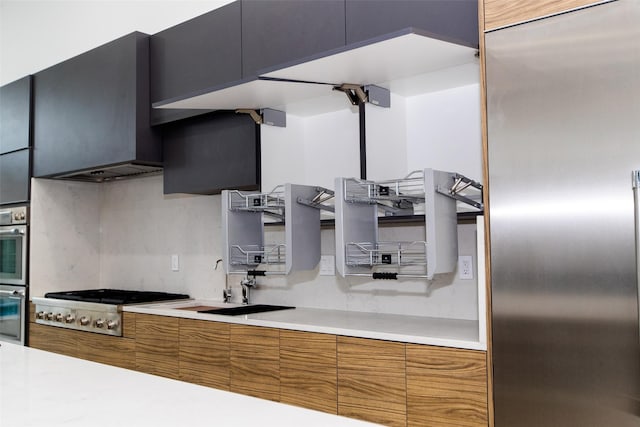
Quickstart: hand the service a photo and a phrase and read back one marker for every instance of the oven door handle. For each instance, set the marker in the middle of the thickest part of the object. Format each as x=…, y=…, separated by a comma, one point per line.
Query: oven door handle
x=14, y=231
x=16, y=294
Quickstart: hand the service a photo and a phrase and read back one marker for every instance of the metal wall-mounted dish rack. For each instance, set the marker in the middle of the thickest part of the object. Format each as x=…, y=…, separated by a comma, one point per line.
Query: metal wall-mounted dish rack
x=243, y=217
x=359, y=203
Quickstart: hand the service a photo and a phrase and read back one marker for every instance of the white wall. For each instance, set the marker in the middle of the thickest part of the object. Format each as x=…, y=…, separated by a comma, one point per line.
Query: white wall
x=122, y=235
x=35, y=35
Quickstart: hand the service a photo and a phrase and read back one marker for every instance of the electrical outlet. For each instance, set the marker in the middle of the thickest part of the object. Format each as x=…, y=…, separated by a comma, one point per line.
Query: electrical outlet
x=327, y=265
x=465, y=267
x=175, y=263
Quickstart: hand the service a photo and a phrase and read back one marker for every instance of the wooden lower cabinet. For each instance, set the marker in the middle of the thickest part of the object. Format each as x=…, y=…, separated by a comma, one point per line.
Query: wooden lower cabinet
x=372, y=380
x=389, y=383
x=204, y=353
x=308, y=370
x=157, y=341
x=55, y=340
x=99, y=348
x=255, y=361
x=446, y=387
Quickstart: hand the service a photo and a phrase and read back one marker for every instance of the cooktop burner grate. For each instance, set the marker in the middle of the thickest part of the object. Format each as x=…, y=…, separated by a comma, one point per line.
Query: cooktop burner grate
x=115, y=296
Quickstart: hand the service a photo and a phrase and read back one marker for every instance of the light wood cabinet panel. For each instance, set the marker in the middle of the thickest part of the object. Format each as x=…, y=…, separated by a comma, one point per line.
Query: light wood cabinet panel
x=128, y=325
x=55, y=340
x=157, y=345
x=255, y=361
x=372, y=380
x=99, y=348
x=106, y=349
x=308, y=370
x=204, y=353
x=499, y=13
x=446, y=387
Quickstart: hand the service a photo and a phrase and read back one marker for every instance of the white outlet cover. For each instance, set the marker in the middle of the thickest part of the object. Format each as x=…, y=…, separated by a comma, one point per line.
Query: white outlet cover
x=465, y=267
x=175, y=263
x=327, y=265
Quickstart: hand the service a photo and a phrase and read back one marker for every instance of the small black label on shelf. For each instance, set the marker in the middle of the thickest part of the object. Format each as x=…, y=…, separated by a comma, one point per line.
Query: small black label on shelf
x=386, y=258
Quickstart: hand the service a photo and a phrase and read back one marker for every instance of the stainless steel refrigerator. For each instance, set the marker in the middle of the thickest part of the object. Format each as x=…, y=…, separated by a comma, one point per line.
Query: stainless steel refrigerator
x=563, y=99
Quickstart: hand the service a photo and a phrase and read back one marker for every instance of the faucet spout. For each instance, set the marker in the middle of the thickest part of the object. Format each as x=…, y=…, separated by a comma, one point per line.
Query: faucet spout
x=247, y=283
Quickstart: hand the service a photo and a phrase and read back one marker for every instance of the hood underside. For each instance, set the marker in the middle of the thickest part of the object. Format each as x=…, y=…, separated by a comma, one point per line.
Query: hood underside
x=112, y=173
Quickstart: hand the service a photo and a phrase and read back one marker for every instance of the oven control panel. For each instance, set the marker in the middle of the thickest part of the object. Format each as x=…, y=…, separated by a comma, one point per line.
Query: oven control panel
x=82, y=319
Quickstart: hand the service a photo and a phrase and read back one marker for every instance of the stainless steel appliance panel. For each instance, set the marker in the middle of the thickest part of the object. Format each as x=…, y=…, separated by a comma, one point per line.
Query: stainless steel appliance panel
x=564, y=136
x=13, y=246
x=12, y=314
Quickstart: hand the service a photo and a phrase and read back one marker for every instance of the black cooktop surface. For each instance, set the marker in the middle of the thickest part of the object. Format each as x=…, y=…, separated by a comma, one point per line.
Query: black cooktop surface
x=115, y=296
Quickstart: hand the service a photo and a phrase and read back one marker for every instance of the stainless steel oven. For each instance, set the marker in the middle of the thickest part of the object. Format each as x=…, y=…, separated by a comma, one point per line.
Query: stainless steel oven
x=13, y=246
x=12, y=313
x=14, y=240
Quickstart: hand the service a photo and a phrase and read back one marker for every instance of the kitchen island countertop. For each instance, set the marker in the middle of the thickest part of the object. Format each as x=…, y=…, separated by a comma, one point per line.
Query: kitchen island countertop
x=41, y=388
x=444, y=332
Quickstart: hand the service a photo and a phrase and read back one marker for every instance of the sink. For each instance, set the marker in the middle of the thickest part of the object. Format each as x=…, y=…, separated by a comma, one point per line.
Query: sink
x=246, y=309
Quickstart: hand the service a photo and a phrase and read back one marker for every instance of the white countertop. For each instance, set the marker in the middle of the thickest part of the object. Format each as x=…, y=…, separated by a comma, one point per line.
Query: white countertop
x=40, y=388
x=411, y=329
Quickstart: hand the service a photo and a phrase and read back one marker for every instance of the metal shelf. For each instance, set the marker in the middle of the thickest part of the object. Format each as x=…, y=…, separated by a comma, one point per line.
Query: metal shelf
x=244, y=215
x=362, y=206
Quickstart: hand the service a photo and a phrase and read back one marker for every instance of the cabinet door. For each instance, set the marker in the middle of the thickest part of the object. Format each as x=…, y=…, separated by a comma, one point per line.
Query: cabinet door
x=446, y=387
x=455, y=21
x=500, y=13
x=372, y=380
x=308, y=370
x=15, y=115
x=14, y=176
x=93, y=110
x=53, y=339
x=276, y=32
x=157, y=343
x=255, y=361
x=204, y=353
x=206, y=154
x=201, y=53
x=106, y=349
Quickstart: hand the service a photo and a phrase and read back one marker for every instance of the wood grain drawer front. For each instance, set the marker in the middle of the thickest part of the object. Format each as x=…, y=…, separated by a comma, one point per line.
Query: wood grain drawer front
x=204, y=353
x=157, y=345
x=53, y=339
x=308, y=370
x=255, y=361
x=128, y=325
x=372, y=380
x=446, y=387
x=500, y=13
x=106, y=349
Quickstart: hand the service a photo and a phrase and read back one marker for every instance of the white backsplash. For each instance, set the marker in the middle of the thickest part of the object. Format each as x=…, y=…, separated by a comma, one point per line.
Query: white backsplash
x=122, y=235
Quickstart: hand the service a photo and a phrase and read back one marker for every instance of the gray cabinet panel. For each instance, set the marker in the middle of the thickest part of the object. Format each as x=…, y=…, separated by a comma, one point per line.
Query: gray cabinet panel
x=14, y=176
x=93, y=110
x=279, y=31
x=15, y=115
x=455, y=21
x=212, y=152
x=201, y=53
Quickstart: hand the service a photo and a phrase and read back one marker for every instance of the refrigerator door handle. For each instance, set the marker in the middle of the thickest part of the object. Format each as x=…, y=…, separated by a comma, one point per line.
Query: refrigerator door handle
x=635, y=182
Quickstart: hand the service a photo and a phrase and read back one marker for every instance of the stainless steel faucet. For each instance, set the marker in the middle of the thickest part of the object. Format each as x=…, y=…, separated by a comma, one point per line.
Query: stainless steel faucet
x=247, y=283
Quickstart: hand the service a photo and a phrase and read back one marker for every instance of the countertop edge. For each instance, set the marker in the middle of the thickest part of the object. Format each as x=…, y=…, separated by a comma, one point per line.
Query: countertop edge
x=262, y=320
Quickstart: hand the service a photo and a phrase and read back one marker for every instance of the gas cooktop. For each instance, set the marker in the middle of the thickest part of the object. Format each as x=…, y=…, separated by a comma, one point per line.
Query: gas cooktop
x=93, y=310
x=115, y=296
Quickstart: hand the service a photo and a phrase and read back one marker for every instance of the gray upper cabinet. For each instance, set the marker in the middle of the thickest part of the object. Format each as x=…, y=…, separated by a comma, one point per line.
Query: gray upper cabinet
x=14, y=176
x=196, y=55
x=210, y=153
x=15, y=141
x=92, y=111
x=454, y=21
x=15, y=115
x=277, y=32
